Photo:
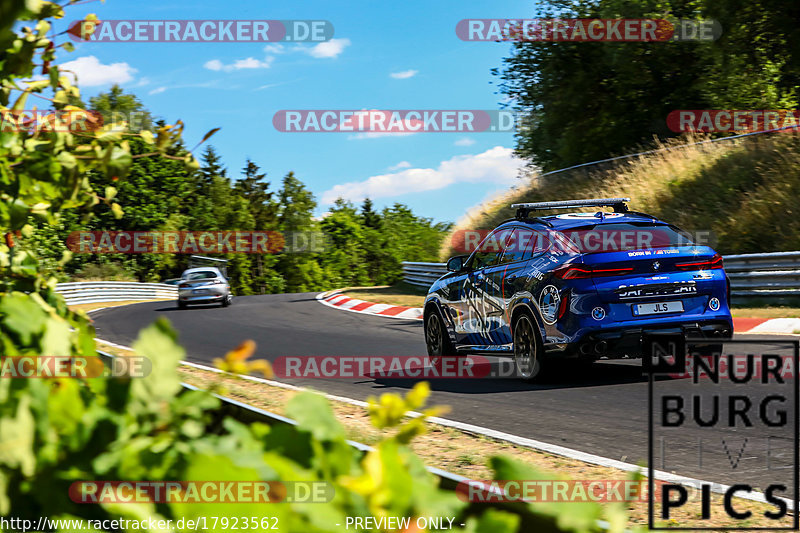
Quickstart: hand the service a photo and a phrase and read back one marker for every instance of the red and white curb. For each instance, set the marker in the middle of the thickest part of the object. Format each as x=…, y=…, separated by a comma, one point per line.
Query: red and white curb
x=782, y=326
x=338, y=300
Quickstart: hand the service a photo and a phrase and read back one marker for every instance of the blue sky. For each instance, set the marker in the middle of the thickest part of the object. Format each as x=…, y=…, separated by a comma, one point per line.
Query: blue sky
x=239, y=87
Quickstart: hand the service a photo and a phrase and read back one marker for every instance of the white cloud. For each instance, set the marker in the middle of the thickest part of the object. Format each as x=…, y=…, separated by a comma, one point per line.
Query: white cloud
x=401, y=164
x=274, y=49
x=465, y=141
x=331, y=48
x=404, y=74
x=497, y=165
x=158, y=90
x=91, y=72
x=239, y=64
x=142, y=82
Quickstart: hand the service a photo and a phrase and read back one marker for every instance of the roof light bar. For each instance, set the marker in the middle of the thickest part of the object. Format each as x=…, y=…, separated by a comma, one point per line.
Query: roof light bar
x=617, y=203
x=592, y=202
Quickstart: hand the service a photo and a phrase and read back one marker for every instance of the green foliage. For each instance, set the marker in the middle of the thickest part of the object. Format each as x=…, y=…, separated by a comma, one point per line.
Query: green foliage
x=116, y=106
x=590, y=101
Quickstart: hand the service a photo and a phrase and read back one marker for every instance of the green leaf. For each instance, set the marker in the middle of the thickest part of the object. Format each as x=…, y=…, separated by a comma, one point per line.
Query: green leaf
x=494, y=521
x=157, y=342
x=21, y=315
x=117, y=211
x=119, y=162
x=111, y=192
x=208, y=135
x=53, y=77
x=313, y=413
x=61, y=97
x=16, y=439
x=56, y=339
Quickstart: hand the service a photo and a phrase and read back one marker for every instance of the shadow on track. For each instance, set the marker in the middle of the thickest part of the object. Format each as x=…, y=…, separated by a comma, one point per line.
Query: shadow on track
x=561, y=375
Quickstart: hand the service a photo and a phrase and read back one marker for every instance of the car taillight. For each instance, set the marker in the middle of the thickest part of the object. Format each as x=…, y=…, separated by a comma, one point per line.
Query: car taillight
x=728, y=290
x=585, y=271
x=709, y=264
x=183, y=286
x=562, y=307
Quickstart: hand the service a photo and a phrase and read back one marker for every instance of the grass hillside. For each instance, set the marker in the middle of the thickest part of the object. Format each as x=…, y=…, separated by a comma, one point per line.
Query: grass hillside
x=746, y=191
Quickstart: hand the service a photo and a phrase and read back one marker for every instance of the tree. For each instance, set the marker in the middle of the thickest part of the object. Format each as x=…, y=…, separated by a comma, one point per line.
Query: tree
x=297, y=264
x=589, y=101
x=255, y=190
x=345, y=260
x=116, y=106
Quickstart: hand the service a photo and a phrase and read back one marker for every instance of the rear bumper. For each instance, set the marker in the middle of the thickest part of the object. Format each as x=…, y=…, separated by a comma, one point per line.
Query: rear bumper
x=627, y=341
x=201, y=298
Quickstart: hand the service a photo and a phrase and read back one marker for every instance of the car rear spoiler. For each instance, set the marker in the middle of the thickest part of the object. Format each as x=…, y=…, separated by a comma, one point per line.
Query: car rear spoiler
x=618, y=204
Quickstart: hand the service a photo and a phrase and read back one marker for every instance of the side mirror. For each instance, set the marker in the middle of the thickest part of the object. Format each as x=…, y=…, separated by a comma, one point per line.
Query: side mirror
x=456, y=264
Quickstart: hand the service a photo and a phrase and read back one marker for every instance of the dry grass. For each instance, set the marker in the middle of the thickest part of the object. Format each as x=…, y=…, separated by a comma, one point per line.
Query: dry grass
x=741, y=190
x=399, y=294
x=100, y=305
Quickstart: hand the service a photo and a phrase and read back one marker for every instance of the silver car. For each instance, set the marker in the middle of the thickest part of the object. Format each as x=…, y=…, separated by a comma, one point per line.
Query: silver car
x=203, y=285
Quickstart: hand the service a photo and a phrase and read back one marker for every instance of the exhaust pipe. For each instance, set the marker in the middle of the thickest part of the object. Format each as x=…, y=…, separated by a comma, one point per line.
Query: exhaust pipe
x=586, y=349
x=600, y=347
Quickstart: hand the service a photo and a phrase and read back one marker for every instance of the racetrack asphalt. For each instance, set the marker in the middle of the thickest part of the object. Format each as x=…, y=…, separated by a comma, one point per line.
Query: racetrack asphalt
x=602, y=410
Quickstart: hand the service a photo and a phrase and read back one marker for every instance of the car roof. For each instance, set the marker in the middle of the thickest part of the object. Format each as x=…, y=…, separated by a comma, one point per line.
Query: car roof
x=201, y=269
x=567, y=221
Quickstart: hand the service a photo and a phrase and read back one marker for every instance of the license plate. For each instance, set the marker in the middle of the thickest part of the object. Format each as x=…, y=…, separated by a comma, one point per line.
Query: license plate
x=199, y=291
x=656, y=308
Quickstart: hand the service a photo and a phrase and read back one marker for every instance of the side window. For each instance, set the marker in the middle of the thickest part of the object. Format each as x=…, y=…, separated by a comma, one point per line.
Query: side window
x=537, y=243
x=515, y=245
x=524, y=243
x=490, y=250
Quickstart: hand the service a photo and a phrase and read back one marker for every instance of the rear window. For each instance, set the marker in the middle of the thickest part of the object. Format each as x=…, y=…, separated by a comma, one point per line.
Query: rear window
x=204, y=274
x=624, y=236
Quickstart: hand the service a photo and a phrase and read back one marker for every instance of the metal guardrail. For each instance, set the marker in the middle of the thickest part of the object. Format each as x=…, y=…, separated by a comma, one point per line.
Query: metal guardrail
x=423, y=274
x=752, y=275
x=85, y=292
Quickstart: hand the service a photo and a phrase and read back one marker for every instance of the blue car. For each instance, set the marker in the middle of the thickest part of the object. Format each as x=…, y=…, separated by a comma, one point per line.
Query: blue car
x=582, y=285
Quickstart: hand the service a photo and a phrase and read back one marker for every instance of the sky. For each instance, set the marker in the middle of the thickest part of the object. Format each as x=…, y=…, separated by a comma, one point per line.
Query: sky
x=382, y=55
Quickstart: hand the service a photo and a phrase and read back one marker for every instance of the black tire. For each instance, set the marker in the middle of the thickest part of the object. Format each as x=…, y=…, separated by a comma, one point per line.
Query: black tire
x=181, y=305
x=437, y=340
x=528, y=351
x=226, y=301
